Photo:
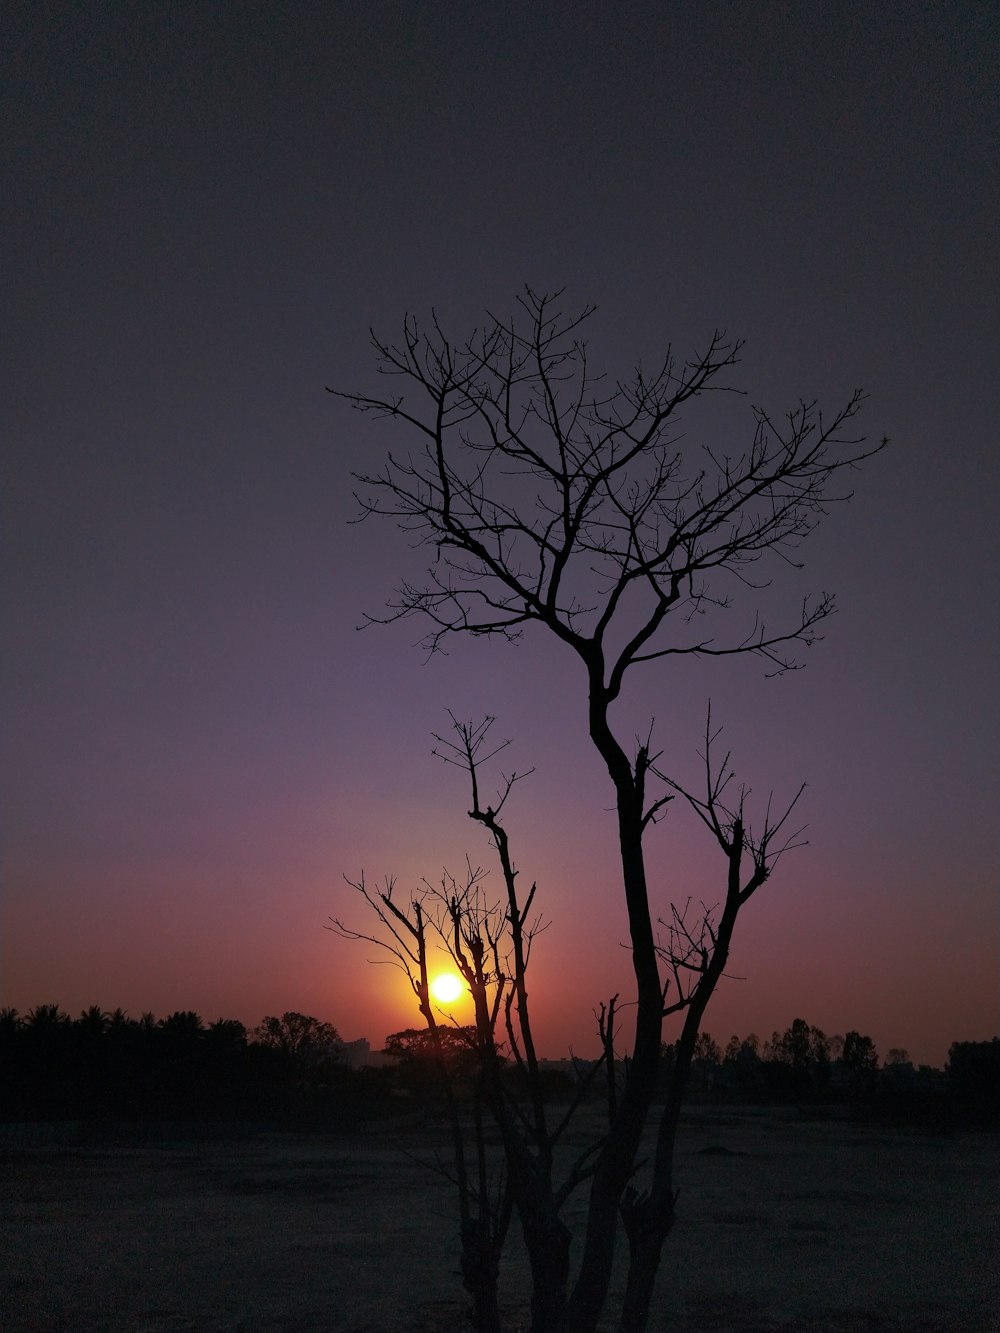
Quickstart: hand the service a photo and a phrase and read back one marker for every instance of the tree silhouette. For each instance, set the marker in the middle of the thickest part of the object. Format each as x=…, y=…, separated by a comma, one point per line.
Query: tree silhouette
x=306, y=1040
x=94, y=1022
x=801, y=1046
x=303, y=1050
x=471, y=929
x=859, y=1061
x=47, y=1018
x=547, y=499
x=421, y=1053
x=107, y=1066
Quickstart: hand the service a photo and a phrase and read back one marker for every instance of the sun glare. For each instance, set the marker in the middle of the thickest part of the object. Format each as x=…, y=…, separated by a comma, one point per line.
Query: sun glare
x=446, y=988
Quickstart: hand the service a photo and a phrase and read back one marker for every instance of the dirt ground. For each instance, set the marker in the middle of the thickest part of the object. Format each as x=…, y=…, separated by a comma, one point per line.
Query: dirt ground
x=783, y=1225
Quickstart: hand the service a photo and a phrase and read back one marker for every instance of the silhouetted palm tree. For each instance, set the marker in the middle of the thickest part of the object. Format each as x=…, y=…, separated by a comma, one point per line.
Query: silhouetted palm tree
x=47, y=1017
x=93, y=1021
x=10, y=1021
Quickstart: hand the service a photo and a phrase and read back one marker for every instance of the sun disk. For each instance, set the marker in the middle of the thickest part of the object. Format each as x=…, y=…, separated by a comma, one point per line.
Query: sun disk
x=446, y=988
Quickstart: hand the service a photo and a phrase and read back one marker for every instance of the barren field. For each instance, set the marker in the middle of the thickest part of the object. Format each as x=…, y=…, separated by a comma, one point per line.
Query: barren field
x=783, y=1225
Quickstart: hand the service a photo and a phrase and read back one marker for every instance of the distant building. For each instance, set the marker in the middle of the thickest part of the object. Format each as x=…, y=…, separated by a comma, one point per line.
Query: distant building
x=356, y=1054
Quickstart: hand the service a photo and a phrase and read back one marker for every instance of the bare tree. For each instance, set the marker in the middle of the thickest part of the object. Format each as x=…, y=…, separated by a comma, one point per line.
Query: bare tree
x=546, y=497
x=695, y=963
x=463, y=923
x=491, y=943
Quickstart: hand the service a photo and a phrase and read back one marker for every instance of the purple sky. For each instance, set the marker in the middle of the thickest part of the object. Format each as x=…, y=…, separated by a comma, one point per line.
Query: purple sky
x=203, y=210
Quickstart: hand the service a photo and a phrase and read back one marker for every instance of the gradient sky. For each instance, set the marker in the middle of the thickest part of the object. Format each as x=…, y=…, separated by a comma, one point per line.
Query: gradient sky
x=203, y=210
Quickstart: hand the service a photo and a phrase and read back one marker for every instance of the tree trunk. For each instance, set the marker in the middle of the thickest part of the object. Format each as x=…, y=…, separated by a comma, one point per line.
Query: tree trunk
x=480, y=1273
x=547, y=1240
x=618, y=1155
x=647, y=1228
x=649, y=1218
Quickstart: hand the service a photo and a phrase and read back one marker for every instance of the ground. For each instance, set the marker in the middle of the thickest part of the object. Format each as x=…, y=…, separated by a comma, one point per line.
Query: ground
x=784, y=1224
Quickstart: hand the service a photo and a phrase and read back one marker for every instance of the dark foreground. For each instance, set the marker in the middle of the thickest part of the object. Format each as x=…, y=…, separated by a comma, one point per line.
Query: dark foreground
x=784, y=1225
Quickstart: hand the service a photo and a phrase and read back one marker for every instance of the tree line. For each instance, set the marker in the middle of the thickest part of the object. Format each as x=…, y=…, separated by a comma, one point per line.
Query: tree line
x=107, y=1065
x=801, y=1066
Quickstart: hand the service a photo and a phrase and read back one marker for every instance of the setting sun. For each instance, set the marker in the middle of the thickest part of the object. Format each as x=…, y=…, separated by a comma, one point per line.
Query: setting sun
x=446, y=987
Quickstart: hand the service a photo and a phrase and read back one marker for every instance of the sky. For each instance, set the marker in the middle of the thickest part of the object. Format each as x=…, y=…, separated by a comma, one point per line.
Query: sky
x=205, y=209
